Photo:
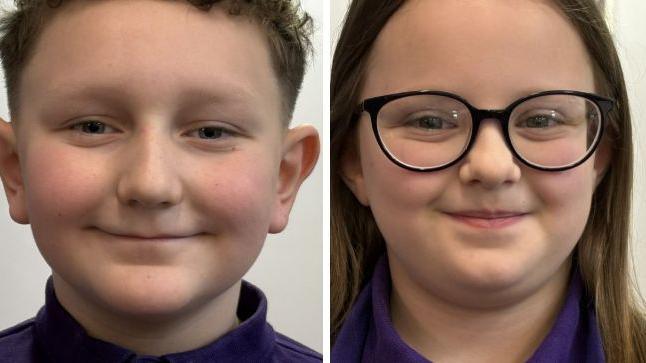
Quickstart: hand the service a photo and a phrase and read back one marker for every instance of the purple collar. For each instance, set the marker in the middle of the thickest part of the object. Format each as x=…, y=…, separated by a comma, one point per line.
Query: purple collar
x=62, y=339
x=368, y=335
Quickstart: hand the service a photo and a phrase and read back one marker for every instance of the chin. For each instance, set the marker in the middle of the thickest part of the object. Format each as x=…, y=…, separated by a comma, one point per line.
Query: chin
x=150, y=292
x=493, y=279
x=495, y=276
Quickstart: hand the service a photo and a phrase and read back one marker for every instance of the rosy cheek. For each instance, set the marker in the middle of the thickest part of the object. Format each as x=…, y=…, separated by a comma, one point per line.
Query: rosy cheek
x=564, y=196
x=389, y=185
x=243, y=186
x=61, y=183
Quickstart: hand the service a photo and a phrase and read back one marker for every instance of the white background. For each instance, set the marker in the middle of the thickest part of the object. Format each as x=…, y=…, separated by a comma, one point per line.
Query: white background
x=629, y=28
x=289, y=270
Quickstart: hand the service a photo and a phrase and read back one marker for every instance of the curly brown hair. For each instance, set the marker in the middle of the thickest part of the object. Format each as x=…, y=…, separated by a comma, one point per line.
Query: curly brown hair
x=288, y=30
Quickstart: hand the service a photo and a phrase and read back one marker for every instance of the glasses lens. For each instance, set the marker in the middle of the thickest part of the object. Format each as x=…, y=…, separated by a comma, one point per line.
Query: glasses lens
x=555, y=130
x=424, y=131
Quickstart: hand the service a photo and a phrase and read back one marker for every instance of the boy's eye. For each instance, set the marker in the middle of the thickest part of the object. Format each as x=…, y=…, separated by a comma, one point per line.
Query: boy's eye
x=211, y=133
x=92, y=127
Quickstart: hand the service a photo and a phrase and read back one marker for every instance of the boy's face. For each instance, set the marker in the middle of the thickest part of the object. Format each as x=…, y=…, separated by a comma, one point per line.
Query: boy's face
x=150, y=119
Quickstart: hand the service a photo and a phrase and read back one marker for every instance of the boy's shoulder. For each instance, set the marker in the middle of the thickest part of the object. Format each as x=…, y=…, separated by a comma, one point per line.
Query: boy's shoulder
x=17, y=346
x=30, y=340
x=272, y=346
x=17, y=343
x=295, y=351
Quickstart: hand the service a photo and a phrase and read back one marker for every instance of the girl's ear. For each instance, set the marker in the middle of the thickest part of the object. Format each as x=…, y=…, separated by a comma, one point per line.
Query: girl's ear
x=602, y=160
x=300, y=152
x=11, y=175
x=352, y=172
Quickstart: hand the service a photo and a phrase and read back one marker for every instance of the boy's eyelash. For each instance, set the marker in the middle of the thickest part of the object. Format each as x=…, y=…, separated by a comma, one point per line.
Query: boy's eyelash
x=96, y=123
x=214, y=131
x=208, y=131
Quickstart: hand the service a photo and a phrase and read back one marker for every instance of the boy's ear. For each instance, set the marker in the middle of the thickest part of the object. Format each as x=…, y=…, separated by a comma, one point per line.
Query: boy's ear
x=10, y=174
x=300, y=153
x=352, y=173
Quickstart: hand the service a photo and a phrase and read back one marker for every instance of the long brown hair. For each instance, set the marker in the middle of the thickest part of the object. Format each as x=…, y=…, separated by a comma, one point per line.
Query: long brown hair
x=602, y=253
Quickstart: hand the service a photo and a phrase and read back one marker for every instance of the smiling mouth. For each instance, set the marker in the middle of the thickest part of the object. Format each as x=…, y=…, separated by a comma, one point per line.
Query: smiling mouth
x=152, y=238
x=484, y=221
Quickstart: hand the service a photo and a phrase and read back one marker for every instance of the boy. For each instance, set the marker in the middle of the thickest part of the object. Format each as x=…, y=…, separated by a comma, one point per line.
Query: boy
x=149, y=151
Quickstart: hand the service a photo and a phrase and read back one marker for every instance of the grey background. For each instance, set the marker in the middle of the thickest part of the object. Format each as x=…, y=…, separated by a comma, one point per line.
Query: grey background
x=626, y=18
x=289, y=269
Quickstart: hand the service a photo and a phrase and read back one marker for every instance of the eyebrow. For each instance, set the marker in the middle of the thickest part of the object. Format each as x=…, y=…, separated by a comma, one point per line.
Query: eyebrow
x=228, y=95
x=222, y=90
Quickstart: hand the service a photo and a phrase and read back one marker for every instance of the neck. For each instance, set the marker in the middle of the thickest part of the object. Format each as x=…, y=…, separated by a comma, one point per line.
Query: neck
x=449, y=332
x=195, y=328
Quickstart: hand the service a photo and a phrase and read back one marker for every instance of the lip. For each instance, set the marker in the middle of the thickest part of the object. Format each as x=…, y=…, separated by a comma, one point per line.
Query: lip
x=487, y=219
x=150, y=238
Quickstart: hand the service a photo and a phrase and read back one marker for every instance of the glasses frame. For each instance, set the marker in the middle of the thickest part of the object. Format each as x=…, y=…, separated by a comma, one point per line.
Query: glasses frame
x=374, y=104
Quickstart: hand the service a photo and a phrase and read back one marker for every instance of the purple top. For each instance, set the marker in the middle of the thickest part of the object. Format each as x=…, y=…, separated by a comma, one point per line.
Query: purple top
x=54, y=336
x=368, y=335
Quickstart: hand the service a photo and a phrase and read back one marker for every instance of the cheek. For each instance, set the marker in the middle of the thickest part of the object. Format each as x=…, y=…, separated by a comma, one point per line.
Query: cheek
x=61, y=184
x=386, y=184
x=67, y=189
x=397, y=197
x=239, y=192
x=564, y=200
x=237, y=198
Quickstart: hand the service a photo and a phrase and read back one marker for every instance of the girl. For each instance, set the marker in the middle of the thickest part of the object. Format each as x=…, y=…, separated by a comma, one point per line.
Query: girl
x=482, y=161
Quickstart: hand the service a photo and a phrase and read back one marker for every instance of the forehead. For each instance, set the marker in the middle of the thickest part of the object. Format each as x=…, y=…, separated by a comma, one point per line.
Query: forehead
x=151, y=52
x=489, y=51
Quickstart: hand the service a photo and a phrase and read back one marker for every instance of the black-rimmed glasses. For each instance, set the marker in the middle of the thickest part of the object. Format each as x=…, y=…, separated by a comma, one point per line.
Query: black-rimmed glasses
x=432, y=130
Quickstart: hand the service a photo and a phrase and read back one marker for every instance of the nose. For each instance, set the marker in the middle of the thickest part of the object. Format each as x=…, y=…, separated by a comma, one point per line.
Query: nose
x=489, y=163
x=149, y=177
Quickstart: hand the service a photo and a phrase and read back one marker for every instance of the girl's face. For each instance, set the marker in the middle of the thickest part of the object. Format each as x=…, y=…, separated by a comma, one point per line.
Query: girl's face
x=491, y=53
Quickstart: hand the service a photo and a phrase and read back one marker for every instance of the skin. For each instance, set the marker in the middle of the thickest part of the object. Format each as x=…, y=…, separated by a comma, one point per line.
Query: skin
x=154, y=80
x=498, y=289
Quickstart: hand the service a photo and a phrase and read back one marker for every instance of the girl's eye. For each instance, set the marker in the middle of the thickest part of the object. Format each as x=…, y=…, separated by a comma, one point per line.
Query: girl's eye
x=539, y=121
x=92, y=127
x=431, y=123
